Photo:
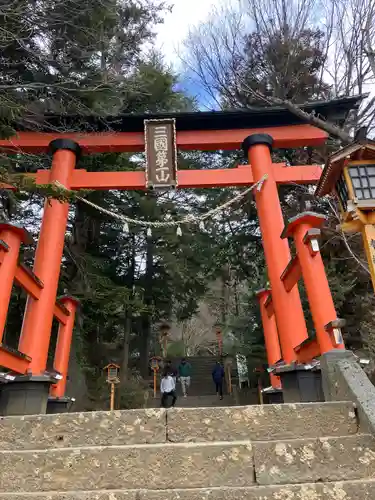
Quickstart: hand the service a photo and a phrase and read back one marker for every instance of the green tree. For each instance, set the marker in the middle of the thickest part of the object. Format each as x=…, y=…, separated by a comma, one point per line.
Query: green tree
x=92, y=62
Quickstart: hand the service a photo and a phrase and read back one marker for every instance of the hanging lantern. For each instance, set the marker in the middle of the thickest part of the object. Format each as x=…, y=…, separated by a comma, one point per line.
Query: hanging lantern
x=349, y=174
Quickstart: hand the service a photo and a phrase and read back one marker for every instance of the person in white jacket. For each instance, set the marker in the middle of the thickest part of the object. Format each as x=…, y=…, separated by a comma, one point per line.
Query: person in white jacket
x=167, y=389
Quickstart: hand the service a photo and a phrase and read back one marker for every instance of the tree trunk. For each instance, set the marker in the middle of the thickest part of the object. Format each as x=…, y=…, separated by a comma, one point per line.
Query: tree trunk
x=146, y=316
x=125, y=353
x=128, y=315
x=76, y=385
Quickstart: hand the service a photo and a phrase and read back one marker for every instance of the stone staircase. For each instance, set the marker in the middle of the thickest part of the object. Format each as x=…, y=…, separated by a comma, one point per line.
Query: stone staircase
x=196, y=402
x=205, y=401
x=201, y=380
x=282, y=452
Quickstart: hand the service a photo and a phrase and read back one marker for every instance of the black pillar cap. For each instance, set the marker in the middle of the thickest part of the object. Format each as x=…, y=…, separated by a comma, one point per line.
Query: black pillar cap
x=252, y=140
x=67, y=144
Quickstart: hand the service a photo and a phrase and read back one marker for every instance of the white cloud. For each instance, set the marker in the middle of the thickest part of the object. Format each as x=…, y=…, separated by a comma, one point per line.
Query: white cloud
x=185, y=14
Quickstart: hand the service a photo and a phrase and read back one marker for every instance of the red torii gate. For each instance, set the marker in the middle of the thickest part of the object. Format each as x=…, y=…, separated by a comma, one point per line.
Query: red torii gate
x=283, y=320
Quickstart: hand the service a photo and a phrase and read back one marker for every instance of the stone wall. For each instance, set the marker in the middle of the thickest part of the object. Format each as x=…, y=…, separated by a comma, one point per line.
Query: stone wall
x=344, y=380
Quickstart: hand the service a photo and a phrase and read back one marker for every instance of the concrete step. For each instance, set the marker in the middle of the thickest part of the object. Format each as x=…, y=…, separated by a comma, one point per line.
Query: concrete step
x=315, y=460
x=160, y=466
x=348, y=490
x=128, y=427
x=285, y=421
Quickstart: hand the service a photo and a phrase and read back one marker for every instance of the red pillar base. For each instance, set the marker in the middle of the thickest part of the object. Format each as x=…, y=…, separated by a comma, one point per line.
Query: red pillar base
x=272, y=396
x=301, y=383
x=59, y=405
x=26, y=395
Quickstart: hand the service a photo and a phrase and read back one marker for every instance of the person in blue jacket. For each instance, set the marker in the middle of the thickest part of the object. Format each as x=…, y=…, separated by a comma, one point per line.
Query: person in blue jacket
x=218, y=377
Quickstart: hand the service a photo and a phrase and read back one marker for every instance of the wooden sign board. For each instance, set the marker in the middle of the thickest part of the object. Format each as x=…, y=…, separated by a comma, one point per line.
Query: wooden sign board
x=161, y=153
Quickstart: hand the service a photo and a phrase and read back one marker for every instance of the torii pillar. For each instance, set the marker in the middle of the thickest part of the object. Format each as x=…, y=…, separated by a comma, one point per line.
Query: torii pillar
x=37, y=323
x=271, y=340
x=58, y=402
x=11, y=237
x=290, y=320
x=305, y=230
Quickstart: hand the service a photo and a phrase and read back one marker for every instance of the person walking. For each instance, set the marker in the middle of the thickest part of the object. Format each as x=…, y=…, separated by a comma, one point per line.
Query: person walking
x=218, y=375
x=168, y=390
x=172, y=371
x=184, y=371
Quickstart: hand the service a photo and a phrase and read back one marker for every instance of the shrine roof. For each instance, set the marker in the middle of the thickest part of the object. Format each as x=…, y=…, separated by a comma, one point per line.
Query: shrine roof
x=335, y=110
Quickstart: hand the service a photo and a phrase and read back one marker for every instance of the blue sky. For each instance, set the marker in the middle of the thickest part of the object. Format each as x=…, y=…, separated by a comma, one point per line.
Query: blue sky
x=170, y=35
x=185, y=14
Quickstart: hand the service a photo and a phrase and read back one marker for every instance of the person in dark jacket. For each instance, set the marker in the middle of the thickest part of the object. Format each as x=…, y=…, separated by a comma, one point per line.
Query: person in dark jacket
x=218, y=377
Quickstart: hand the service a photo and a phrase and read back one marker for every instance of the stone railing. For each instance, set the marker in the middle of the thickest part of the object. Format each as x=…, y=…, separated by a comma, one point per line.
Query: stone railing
x=344, y=380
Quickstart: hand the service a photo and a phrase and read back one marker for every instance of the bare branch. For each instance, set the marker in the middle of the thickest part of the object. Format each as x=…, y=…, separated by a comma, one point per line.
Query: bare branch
x=259, y=64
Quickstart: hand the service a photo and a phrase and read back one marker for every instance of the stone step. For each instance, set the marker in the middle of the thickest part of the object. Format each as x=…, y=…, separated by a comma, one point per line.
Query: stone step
x=190, y=465
x=160, y=466
x=284, y=421
x=127, y=427
x=98, y=428
x=197, y=402
x=211, y=401
x=348, y=490
x=197, y=391
x=202, y=383
x=314, y=460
